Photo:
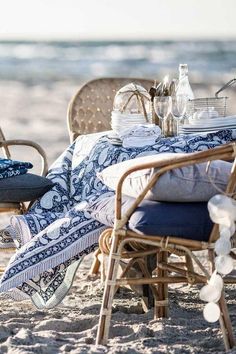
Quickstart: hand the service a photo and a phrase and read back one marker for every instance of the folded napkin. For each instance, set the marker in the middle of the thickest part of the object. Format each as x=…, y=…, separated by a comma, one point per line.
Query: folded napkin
x=10, y=168
x=140, y=135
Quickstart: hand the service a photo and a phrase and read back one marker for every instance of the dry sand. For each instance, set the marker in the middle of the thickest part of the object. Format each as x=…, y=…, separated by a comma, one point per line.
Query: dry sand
x=39, y=113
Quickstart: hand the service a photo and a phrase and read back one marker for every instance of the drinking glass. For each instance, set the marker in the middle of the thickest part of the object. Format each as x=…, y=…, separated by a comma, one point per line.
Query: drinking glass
x=162, y=107
x=178, y=109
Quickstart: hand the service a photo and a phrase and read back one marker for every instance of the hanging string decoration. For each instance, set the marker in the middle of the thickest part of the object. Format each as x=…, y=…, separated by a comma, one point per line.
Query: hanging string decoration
x=222, y=210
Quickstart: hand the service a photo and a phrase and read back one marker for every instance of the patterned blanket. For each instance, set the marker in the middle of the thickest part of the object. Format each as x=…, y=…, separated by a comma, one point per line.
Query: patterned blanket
x=10, y=168
x=58, y=231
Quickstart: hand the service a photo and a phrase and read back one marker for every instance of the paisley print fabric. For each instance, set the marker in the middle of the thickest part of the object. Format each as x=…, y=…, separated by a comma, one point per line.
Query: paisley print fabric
x=55, y=234
x=10, y=168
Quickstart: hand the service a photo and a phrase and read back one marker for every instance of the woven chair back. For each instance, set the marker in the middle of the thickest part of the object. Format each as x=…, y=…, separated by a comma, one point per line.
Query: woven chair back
x=90, y=109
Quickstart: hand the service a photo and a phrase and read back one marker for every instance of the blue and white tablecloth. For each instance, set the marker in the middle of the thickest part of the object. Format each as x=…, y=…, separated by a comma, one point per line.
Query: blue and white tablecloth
x=57, y=231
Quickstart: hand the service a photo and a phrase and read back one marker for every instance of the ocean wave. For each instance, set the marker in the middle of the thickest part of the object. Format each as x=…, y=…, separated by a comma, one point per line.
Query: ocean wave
x=42, y=61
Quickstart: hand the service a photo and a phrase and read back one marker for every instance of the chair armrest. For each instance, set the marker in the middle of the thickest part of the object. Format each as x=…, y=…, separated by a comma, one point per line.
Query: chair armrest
x=224, y=152
x=37, y=147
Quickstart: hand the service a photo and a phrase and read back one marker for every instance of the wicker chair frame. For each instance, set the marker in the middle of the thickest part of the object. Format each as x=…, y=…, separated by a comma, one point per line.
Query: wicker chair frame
x=19, y=208
x=113, y=241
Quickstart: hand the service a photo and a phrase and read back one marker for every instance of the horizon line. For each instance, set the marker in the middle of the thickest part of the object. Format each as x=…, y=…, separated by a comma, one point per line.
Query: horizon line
x=107, y=39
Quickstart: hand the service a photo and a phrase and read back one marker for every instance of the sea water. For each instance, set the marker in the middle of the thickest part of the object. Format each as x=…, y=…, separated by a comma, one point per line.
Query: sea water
x=40, y=61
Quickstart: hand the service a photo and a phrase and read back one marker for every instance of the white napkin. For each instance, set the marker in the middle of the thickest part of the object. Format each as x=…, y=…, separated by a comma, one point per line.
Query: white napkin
x=140, y=135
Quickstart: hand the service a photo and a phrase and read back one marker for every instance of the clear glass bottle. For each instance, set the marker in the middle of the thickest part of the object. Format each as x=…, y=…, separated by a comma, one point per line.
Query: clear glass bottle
x=184, y=87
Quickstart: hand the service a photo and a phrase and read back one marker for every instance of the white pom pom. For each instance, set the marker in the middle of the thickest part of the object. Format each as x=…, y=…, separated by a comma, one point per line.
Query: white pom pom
x=211, y=312
x=216, y=281
x=222, y=209
x=223, y=246
x=224, y=264
x=227, y=231
x=221, y=219
x=209, y=293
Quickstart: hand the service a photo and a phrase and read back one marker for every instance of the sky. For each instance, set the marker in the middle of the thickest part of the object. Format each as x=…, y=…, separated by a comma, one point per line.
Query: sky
x=120, y=19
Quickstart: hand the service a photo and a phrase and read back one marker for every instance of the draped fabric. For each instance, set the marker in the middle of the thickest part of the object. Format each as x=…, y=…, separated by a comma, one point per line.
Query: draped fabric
x=58, y=230
x=10, y=168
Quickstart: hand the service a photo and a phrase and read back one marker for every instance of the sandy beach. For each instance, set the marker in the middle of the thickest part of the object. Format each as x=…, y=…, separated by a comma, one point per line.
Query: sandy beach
x=34, y=112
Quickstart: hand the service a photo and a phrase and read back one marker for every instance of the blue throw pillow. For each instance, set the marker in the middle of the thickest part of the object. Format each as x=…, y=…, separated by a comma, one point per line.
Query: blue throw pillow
x=24, y=188
x=185, y=220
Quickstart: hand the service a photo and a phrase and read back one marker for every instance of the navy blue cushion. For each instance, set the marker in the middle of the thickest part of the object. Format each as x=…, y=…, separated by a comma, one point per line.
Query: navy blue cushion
x=24, y=188
x=186, y=220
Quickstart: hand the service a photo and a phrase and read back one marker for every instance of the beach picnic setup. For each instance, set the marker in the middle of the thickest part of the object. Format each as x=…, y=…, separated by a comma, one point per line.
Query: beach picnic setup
x=146, y=184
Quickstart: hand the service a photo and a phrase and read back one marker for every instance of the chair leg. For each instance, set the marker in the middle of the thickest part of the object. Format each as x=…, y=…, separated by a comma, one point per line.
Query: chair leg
x=150, y=293
x=189, y=263
x=211, y=259
x=226, y=325
x=96, y=263
x=150, y=290
x=161, y=305
x=110, y=286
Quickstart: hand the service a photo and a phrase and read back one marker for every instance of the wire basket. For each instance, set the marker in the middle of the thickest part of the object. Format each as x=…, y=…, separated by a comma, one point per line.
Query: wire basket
x=212, y=106
x=209, y=105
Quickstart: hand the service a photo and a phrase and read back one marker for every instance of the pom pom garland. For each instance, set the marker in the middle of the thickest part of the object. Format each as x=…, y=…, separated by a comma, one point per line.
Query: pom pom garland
x=222, y=210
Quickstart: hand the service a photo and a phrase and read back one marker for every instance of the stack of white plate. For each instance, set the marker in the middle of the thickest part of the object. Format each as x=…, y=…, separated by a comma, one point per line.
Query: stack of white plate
x=122, y=121
x=209, y=125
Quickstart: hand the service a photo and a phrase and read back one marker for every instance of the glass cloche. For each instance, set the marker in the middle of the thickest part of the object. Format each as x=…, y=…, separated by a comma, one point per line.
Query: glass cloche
x=132, y=106
x=132, y=99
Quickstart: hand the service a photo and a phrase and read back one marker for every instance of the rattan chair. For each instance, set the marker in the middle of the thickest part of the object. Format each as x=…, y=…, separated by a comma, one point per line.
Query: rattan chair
x=18, y=207
x=90, y=109
x=114, y=242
